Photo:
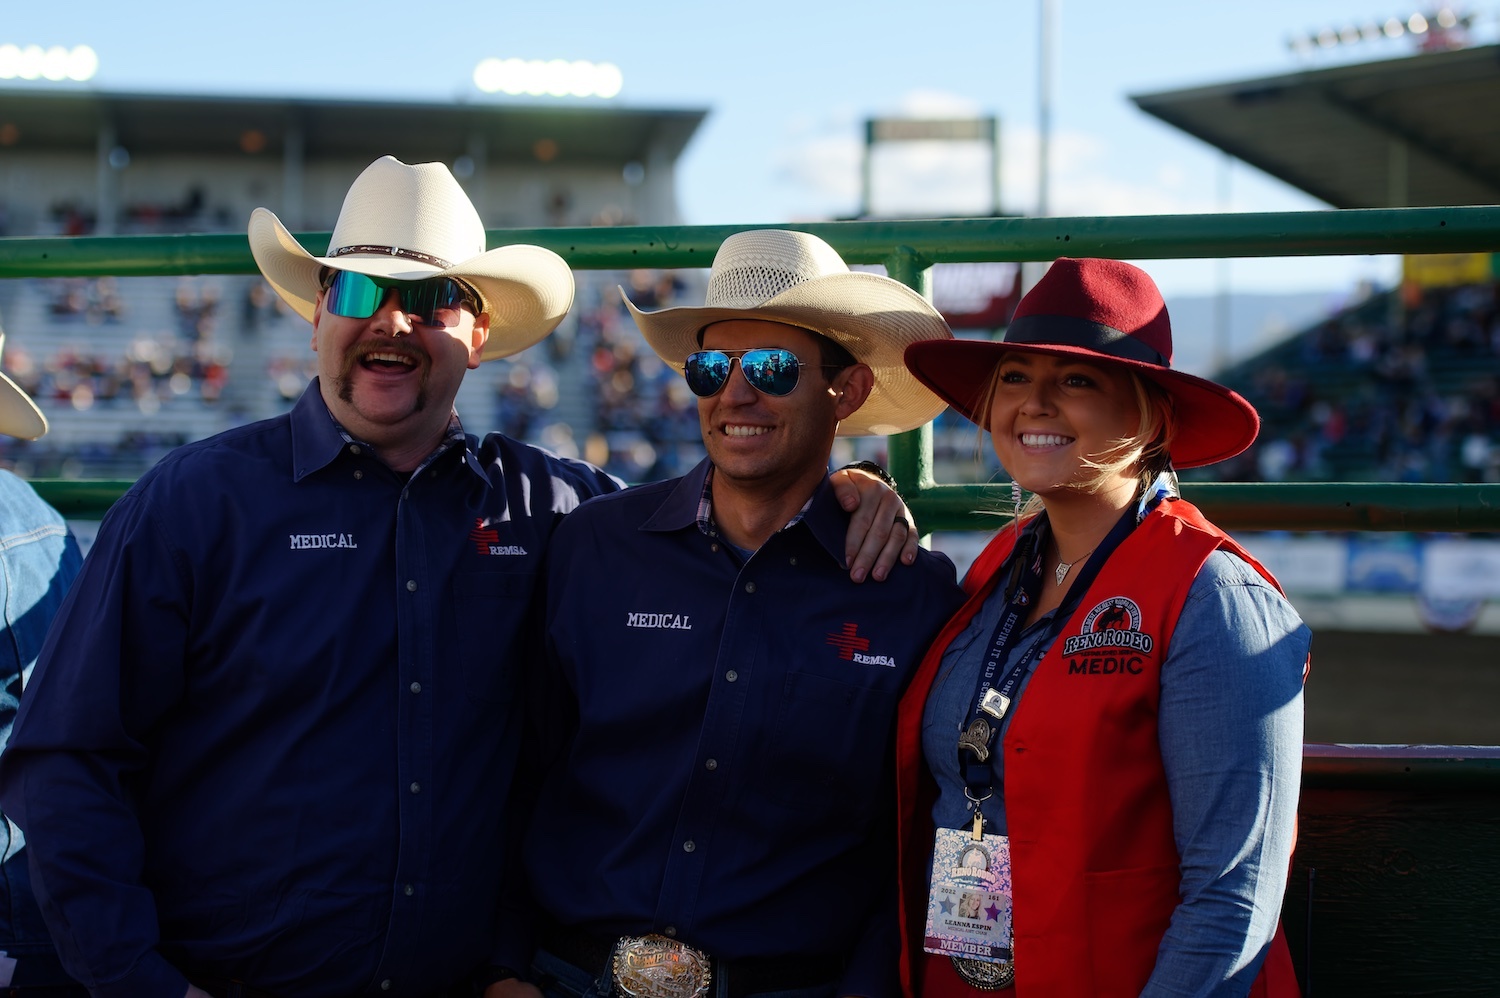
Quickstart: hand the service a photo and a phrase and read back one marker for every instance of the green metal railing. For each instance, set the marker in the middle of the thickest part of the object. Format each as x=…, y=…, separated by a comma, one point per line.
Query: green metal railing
x=908, y=250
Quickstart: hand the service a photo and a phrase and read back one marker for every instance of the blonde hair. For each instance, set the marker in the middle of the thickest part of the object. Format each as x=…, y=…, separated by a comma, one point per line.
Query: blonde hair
x=1147, y=450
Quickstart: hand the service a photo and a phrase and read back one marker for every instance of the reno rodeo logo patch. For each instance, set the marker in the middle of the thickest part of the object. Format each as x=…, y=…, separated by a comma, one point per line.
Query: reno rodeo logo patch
x=1115, y=623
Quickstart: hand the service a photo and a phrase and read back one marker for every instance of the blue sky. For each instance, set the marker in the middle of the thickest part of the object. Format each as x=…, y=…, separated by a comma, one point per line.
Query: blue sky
x=788, y=84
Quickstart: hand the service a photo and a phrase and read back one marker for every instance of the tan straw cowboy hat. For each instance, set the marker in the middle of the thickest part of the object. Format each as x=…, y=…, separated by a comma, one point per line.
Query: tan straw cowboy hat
x=19, y=415
x=411, y=223
x=798, y=279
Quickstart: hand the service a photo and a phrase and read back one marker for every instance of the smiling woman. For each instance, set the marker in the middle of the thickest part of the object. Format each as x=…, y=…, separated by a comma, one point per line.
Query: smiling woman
x=1158, y=742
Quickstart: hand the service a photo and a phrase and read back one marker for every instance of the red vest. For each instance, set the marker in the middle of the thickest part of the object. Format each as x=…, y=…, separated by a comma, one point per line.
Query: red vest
x=1094, y=867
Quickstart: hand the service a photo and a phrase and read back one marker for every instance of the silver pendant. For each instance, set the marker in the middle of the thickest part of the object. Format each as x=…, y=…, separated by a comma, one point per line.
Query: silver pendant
x=976, y=738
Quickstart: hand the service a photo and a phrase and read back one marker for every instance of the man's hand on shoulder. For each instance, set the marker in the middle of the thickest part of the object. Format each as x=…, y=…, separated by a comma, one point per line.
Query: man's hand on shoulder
x=881, y=531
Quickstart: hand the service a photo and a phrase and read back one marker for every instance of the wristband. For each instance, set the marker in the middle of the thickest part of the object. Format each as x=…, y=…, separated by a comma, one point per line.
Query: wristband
x=874, y=469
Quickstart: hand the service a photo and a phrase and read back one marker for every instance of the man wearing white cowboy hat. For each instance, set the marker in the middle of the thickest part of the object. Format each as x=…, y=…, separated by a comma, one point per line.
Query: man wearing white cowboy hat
x=731, y=704
x=38, y=560
x=271, y=747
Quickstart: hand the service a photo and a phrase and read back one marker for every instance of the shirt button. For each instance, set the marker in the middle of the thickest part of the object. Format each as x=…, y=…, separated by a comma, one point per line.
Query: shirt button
x=416, y=788
x=416, y=687
x=385, y=985
x=670, y=930
x=354, y=449
x=794, y=561
x=749, y=587
x=689, y=846
x=711, y=765
x=358, y=474
x=731, y=675
x=410, y=890
x=713, y=547
x=411, y=585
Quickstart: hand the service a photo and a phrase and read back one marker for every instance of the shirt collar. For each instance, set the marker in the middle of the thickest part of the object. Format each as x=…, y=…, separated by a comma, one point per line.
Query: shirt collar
x=690, y=505
x=318, y=438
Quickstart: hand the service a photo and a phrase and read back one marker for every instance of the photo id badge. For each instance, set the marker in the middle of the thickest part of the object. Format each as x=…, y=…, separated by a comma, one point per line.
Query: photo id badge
x=968, y=899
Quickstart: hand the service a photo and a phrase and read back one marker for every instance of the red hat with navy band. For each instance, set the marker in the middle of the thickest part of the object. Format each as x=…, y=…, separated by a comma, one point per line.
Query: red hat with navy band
x=1103, y=312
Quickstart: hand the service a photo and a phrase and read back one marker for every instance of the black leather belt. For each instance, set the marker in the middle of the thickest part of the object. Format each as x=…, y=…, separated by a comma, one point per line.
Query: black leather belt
x=751, y=976
x=221, y=987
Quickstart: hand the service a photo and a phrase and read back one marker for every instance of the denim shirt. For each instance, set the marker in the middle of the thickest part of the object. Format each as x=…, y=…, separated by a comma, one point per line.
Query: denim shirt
x=1230, y=729
x=38, y=559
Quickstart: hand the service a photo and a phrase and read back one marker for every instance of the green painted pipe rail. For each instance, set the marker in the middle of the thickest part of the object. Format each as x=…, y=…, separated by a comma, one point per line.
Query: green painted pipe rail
x=1129, y=237
x=1355, y=506
x=1335, y=506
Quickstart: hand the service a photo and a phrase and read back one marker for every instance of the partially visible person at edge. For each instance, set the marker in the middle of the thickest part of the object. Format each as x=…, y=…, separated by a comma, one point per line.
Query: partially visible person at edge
x=270, y=747
x=1106, y=740
x=732, y=699
x=38, y=560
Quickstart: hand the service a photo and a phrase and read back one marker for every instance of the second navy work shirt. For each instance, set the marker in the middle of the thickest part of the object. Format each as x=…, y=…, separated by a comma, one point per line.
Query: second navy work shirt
x=729, y=779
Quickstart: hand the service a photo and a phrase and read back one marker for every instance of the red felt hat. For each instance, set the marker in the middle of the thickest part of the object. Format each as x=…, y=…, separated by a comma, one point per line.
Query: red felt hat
x=1103, y=311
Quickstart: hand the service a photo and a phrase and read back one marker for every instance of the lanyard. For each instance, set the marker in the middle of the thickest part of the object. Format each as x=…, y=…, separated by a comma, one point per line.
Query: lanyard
x=976, y=743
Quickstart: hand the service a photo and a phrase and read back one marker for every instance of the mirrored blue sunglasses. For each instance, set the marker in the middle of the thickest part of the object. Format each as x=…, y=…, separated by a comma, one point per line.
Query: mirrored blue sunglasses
x=435, y=302
x=769, y=370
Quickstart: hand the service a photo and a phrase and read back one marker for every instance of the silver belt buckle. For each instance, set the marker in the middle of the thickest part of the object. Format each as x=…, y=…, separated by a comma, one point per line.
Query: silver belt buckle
x=983, y=974
x=657, y=967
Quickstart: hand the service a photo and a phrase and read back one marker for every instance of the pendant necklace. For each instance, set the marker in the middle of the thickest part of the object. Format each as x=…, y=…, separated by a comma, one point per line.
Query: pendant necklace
x=1064, y=567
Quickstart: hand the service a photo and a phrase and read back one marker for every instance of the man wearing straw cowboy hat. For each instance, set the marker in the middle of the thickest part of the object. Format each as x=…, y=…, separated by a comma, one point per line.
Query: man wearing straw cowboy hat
x=270, y=748
x=718, y=823
x=38, y=560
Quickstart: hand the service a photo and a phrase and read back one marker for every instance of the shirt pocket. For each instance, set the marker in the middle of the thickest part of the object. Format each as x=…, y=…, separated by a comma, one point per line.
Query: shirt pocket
x=828, y=747
x=495, y=614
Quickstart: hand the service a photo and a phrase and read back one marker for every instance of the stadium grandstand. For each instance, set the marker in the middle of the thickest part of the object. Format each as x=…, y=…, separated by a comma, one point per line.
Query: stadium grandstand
x=1404, y=386
x=128, y=368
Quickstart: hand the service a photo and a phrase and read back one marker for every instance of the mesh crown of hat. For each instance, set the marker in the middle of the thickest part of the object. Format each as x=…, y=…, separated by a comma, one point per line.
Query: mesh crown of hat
x=751, y=268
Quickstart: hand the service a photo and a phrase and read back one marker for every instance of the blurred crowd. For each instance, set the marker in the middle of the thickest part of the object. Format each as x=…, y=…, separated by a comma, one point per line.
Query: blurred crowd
x=1402, y=388
x=1398, y=388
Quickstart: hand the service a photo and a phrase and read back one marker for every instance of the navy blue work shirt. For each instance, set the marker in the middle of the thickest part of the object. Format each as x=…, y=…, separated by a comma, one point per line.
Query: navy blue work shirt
x=38, y=560
x=728, y=781
x=273, y=735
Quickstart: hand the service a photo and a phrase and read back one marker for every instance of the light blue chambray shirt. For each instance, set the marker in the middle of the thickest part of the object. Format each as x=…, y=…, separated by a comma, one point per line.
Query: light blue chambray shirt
x=38, y=559
x=1230, y=727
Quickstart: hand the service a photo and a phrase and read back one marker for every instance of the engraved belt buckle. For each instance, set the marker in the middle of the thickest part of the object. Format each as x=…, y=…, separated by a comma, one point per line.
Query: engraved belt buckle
x=983, y=974
x=657, y=967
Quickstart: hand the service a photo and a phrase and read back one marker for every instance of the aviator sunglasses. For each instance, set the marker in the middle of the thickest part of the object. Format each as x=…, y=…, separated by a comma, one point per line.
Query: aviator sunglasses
x=769, y=370
x=434, y=302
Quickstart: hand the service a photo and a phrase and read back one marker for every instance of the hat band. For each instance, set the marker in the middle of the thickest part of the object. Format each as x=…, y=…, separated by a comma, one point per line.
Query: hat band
x=1071, y=331
x=396, y=251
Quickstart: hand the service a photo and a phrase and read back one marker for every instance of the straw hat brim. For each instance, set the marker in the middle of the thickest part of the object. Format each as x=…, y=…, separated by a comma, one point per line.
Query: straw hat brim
x=19, y=415
x=1214, y=423
x=526, y=290
x=873, y=317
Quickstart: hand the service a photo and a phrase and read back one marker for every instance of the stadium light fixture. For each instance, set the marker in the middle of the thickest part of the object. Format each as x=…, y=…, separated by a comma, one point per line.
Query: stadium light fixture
x=1443, y=27
x=32, y=62
x=548, y=78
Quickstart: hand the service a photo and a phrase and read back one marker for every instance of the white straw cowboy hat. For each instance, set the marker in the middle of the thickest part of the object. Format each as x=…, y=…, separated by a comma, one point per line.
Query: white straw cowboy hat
x=410, y=223
x=798, y=279
x=19, y=415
